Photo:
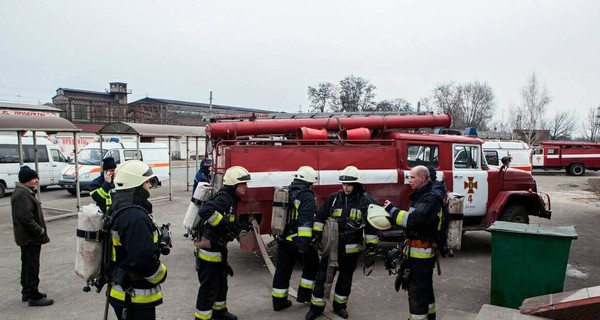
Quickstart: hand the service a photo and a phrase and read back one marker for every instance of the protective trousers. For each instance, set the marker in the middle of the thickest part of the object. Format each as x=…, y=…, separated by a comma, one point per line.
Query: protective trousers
x=30, y=270
x=287, y=255
x=212, y=293
x=421, y=299
x=136, y=314
x=347, y=265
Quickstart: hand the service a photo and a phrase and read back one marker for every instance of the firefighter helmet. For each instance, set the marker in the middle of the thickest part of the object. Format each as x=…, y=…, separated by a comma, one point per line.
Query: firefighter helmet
x=131, y=174
x=306, y=173
x=350, y=174
x=378, y=217
x=236, y=175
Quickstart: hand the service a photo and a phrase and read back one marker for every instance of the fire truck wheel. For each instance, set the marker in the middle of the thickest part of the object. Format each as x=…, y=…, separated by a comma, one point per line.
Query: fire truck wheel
x=577, y=169
x=515, y=213
x=2, y=190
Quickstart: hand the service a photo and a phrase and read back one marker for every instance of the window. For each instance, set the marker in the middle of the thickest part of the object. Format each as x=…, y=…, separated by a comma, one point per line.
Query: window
x=9, y=153
x=115, y=155
x=132, y=154
x=29, y=154
x=466, y=157
x=492, y=157
x=57, y=156
x=552, y=151
x=426, y=155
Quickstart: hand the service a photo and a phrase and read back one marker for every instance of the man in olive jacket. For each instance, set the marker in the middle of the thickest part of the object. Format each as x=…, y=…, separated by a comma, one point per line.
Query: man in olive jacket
x=30, y=233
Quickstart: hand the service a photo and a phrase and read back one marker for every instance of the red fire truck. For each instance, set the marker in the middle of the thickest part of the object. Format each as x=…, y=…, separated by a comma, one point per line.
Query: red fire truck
x=273, y=149
x=573, y=156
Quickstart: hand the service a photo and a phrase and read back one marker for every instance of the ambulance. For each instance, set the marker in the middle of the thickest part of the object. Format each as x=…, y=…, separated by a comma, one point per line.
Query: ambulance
x=50, y=161
x=156, y=155
x=518, y=152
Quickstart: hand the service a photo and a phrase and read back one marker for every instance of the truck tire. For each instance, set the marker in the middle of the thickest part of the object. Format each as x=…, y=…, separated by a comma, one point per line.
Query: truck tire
x=515, y=213
x=2, y=190
x=577, y=169
x=72, y=191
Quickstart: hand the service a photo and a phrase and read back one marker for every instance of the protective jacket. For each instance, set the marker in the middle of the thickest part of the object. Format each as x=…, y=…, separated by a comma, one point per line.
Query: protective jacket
x=351, y=213
x=302, y=215
x=219, y=214
x=28, y=220
x=101, y=193
x=138, y=270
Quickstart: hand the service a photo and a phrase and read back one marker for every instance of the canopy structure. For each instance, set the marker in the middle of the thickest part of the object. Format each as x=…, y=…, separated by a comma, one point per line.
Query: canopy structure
x=158, y=131
x=20, y=124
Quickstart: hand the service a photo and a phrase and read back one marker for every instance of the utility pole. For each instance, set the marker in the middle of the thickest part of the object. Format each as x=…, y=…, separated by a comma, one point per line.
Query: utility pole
x=210, y=104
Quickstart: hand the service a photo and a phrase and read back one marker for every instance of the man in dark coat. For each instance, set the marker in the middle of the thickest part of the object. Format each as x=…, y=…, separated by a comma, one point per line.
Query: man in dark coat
x=30, y=233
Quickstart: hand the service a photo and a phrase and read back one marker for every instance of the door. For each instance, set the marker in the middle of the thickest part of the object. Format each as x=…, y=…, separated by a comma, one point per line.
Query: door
x=537, y=157
x=469, y=179
x=58, y=162
x=44, y=167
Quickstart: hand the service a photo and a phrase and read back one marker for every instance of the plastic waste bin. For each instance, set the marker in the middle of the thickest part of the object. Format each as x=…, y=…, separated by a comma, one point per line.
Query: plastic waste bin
x=528, y=260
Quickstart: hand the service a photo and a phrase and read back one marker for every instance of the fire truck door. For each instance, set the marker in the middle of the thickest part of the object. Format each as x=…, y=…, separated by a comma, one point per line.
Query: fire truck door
x=537, y=157
x=469, y=179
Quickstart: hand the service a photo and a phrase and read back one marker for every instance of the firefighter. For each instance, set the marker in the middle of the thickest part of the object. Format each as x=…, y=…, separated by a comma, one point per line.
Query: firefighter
x=138, y=272
x=420, y=223
x=203, y=174
x=219, y=228
x=102, y=185
x=297, y=241
x=349, y=207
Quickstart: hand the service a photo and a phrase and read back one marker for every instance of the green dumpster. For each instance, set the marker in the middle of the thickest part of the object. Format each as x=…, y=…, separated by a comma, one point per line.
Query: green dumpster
x=528, y=260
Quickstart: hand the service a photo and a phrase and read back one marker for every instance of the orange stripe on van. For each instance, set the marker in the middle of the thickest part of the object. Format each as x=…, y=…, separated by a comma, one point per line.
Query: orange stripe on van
x=161, y=164
x=94, y=170
x=524, y=168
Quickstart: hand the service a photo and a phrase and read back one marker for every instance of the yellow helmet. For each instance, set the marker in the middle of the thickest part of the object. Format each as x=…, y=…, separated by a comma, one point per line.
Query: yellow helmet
x=236, y=175
x=378, y=217
x=350, y=174
x=131, y=174
x=306, y=173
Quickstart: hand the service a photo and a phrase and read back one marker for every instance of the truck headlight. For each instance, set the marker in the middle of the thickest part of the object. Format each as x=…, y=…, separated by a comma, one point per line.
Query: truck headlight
x=85, y=176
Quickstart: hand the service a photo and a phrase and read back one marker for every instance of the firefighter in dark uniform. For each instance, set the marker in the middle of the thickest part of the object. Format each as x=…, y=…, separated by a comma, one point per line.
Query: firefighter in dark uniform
x=219, y=228
x=138, y=272
x=421, y=223
x=296, y=242
x=349, y=207
x=102, y=185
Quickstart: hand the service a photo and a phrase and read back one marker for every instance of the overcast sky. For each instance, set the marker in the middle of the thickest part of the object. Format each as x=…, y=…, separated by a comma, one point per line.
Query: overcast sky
x=264, y=54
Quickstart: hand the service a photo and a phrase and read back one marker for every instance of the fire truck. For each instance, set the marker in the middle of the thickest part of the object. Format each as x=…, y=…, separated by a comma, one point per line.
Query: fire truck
x=384, y=148
x=573, y=156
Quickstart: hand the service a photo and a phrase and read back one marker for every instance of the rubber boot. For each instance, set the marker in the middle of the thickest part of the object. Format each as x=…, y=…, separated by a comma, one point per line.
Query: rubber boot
x=226, y=315
x=342, y=313
x=312, y=314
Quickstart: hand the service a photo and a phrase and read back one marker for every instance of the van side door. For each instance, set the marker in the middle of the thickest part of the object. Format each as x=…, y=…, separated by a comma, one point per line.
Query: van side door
x=58, y=163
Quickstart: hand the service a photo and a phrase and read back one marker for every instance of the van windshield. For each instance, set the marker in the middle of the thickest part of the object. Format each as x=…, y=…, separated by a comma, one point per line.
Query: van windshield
x=91, y=156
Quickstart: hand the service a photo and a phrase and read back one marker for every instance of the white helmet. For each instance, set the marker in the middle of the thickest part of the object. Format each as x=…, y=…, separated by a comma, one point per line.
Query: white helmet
x=378, y=217
x=306, y=173
x=131, y=174
x=350, y=174
x=236, y=175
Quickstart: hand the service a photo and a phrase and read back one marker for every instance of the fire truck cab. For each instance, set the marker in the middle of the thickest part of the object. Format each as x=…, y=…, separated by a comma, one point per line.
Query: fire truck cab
x=573, y=156
x=272, y=150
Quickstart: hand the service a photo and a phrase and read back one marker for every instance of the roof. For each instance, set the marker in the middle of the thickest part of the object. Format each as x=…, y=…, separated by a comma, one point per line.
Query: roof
x=197, y=105
x=152, y=130
x=23, y=106
x=25, y=123
x=86, y=94
x=89, y=127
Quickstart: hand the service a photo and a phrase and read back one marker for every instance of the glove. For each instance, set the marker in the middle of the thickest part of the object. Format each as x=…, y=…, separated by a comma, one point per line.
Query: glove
x=316, y=237
x=370, y=257
x=228, y=269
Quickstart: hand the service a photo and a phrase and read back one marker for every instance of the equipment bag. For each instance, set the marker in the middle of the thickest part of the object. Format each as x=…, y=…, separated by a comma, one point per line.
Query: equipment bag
x=192, y=219
x=279, y=217
x=88, y=255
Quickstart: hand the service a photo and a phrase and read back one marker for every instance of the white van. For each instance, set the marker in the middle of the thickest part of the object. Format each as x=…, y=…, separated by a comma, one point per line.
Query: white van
x=50, y=161
x=156, y=155
x=518, y=150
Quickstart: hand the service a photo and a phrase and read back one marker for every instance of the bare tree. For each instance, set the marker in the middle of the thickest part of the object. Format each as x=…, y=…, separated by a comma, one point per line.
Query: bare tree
x=396, y=105
x=562, y=125
x=591, y=125
x=530, y=118
x=323, y=97
x=356, y=94
x=469, y=105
